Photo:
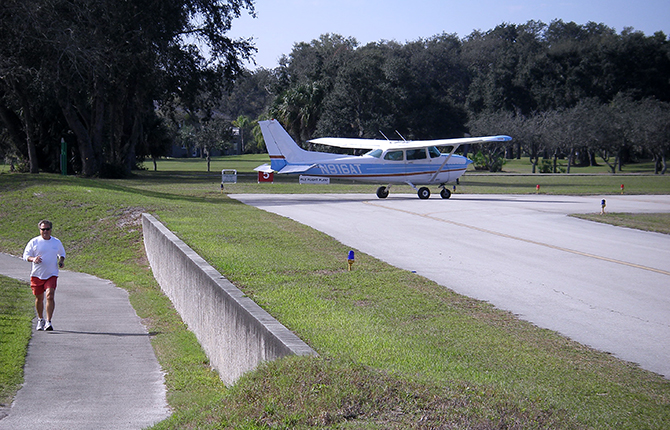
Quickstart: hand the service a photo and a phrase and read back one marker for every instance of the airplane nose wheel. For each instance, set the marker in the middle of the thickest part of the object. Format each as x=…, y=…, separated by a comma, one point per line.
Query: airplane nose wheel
x=382, y=192
x=445, y=193
x=423, y=193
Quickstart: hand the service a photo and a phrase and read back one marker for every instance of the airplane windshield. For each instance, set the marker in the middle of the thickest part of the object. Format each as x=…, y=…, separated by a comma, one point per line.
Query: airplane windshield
x=374, y=153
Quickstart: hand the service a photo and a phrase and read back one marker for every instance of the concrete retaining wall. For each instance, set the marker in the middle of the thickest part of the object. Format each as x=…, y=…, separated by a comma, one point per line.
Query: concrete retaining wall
x=235, y=332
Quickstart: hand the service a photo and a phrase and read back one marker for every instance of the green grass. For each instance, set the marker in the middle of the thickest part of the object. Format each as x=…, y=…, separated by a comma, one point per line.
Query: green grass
x=524, y=166
x=659, y=223
x=246, y=164
x=16, y=314
x=396, y=350
x=517, y=179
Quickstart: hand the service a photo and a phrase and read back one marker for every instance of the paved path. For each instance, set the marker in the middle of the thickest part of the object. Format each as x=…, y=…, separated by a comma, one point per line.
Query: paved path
x=96, y=370
x=604, y=286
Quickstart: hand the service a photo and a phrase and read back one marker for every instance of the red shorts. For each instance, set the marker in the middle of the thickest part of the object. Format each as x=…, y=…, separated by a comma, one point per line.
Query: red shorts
x=40, y=285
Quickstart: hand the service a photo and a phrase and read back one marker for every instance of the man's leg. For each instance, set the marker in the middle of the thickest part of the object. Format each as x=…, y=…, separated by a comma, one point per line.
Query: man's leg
x=51, y=303
x=50, y=306
x=39, y=305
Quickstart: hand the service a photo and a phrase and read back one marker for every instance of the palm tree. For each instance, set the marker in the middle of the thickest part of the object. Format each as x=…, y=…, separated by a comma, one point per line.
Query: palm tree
x=241, y=123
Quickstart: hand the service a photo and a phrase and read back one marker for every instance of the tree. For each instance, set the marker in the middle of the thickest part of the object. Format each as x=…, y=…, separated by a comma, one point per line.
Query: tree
x=499, y=67
x=305, y=77
x=242, y=123
x=107, y=63
x=494, y=123
x=652, y=120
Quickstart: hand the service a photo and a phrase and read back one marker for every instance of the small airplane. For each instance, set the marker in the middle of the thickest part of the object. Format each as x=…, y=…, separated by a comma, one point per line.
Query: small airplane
x=387, y=161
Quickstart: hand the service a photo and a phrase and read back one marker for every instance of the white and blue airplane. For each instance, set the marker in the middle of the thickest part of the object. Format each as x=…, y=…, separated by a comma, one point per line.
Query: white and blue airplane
x=387, y=161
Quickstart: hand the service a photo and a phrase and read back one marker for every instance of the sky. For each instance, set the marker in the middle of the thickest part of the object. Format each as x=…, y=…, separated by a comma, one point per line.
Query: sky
x=282, y=23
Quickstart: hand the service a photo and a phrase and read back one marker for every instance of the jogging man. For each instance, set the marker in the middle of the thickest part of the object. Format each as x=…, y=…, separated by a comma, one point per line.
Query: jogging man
x=47, y=255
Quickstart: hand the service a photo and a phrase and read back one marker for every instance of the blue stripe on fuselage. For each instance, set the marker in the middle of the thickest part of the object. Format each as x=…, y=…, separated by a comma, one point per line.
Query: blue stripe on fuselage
x=361, y=168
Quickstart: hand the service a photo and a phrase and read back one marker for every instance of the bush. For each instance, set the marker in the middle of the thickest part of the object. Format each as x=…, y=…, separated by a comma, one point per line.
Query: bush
x=491, y=163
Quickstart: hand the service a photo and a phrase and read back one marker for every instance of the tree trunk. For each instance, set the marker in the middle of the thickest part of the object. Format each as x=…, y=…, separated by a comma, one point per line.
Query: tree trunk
x=13, y=126
x=30, y=130
x=555, y=160
x=32, y=151
x=605, y=159
x=571, y=156
x=129, y=149
x=90, y=164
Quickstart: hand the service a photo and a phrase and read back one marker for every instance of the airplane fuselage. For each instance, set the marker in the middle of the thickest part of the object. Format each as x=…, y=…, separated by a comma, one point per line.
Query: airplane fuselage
x=367, y=168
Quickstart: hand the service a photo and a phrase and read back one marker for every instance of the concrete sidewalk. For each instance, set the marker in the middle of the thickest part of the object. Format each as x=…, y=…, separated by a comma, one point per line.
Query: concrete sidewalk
x=96, y=370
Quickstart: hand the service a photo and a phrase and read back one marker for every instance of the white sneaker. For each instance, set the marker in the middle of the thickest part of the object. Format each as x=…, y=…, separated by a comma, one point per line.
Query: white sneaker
x=40, y=324
x=48, y=326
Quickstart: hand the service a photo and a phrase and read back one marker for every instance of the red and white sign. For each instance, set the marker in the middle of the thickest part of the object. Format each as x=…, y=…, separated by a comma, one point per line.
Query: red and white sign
x=266, y=177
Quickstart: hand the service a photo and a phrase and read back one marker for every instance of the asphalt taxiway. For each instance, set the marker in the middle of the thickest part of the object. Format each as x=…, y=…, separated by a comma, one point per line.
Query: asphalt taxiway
x=604, y=286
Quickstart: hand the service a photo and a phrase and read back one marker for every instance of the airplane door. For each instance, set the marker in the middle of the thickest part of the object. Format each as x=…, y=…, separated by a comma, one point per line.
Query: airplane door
x=416, y=161
x=397, y=159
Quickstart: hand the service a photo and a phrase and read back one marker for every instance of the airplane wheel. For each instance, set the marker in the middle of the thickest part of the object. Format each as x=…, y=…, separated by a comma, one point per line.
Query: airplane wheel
x=445, y=193
x=382, y=192
x=423, y=193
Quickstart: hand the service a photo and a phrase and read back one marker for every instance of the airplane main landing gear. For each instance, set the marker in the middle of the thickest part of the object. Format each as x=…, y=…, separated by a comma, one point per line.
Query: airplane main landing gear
x=423, y=193
x=382, y=192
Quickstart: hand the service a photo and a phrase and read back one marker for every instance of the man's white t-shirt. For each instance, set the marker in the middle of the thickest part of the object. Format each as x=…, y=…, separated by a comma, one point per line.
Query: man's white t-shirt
x=49, y=250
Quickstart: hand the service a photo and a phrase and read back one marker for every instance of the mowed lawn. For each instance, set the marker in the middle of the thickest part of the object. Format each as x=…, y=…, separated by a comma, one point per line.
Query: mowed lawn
x=396, y=350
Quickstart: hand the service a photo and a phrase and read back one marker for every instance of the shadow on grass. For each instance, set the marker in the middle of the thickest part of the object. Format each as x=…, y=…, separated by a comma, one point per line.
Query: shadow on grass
x=19, y=181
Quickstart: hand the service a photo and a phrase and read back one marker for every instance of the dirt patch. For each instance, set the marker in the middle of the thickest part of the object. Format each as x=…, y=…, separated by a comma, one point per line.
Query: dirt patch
x=130, y=217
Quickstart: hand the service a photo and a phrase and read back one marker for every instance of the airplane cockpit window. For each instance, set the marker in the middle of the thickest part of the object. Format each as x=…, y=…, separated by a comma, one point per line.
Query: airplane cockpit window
x=416, y=154
x=434, y=152
x=374, y=153
x=393, y=156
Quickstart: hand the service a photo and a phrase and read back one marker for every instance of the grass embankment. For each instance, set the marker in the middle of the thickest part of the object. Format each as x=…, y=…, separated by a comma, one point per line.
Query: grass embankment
x=16, y=314
x=396, y=350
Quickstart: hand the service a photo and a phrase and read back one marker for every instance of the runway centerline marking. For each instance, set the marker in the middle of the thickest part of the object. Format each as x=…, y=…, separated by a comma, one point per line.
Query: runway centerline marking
x=521, y=239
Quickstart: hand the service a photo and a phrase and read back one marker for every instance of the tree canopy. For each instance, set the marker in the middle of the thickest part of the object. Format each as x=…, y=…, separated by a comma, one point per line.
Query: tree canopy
x=94, y=72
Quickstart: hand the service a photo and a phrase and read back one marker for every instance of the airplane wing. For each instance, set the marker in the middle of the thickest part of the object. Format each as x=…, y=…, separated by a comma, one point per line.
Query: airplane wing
x=352, y=143
x=463, y=141
x=342, y=142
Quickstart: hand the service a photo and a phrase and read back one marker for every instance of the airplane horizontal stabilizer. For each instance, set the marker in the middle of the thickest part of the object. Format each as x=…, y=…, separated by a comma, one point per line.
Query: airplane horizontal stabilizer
x=296, y=168
x=265, y=168
x=291, y=168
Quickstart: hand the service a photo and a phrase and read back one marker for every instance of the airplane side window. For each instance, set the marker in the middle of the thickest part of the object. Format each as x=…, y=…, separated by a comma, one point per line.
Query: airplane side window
x=434, y=152
x=416, y=154
x=393, y=156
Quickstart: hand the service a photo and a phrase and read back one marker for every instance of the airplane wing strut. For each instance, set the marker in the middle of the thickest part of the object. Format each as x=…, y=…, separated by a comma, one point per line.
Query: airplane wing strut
x=444, y=163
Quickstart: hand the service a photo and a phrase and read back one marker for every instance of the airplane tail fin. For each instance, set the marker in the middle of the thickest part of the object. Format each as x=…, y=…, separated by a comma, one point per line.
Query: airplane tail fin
x=283, y=150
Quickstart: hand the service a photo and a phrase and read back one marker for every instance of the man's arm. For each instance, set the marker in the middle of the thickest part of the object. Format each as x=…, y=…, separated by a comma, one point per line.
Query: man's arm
x=28, y=253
